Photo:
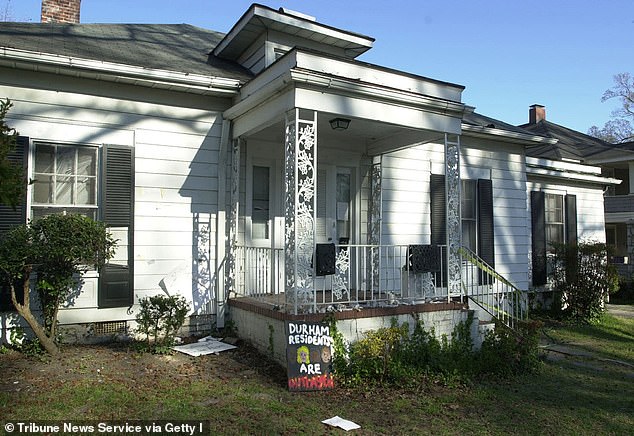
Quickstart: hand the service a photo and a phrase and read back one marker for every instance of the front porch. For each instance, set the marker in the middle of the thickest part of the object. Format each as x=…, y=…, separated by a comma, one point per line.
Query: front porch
x=361, y=222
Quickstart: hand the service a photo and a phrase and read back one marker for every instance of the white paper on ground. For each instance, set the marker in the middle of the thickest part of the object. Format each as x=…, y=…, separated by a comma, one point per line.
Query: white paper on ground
x=204, y=346
x=341, y=423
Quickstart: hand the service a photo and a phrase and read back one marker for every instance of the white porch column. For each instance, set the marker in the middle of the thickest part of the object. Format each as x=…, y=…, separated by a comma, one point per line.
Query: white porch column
x=300, y=187
x=221, y=226
x=374, y=219
x=232, y=240
x=452, y=202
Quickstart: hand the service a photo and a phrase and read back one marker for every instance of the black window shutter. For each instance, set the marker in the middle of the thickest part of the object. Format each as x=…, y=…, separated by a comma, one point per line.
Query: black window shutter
x=10, y=217
x=438, y=220
x=538, y=232
x=438, y=210
x=116, y=281
x=486, y=249
x=571, y=219
x=486, y=242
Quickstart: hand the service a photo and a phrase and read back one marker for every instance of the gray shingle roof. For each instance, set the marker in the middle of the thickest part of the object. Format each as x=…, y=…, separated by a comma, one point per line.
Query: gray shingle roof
x=173, y=47
x=480, y=120
x=572, y=144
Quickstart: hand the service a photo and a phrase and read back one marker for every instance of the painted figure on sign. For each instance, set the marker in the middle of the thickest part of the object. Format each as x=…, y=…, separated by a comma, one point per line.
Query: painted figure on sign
x=326, y=354
x=303, y=354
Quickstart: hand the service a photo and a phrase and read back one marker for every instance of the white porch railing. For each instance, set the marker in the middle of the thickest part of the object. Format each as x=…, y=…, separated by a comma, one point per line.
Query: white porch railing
x=492, y=292
x=372, y=275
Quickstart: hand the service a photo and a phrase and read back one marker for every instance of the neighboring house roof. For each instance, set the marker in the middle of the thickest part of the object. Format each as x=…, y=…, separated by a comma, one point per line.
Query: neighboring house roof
x=173, y=47
x=571, y=143
x=476, y=124
x=476, y=119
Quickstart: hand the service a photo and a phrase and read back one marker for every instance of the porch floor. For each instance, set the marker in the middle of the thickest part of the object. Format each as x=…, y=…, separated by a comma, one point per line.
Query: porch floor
x=266, y=307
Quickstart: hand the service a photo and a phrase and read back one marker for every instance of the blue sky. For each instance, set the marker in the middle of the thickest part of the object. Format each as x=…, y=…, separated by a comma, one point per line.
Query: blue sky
x=508, y=54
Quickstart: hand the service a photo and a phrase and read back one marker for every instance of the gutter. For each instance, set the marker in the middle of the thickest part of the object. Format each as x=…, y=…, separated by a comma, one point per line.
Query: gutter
x=567, y=170
x=121, y=72
x=521, y=138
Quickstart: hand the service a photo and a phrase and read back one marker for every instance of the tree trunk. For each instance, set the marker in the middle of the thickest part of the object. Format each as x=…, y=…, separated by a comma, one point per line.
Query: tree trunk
x=25, y=312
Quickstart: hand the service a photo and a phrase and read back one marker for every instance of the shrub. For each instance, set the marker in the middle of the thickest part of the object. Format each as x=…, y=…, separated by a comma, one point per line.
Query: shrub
x=159, y=319
x=57, y=248
x=583, y=278
x=506, y=352
x=391, y=355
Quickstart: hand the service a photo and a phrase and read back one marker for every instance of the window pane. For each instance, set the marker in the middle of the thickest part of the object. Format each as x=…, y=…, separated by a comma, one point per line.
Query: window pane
x=65, y=160
x=469, y=234
x=87, y=161
x=554, y=233
x=44, y=158
x=343, y=188
x=40, y=211
x=260, y=213
x=43, y=189
x=86, y=190
x=468, y=204
x=64, y=190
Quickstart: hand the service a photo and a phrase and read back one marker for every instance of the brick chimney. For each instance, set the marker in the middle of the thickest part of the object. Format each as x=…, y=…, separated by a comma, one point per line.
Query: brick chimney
x=60, y=11
x=536, y=113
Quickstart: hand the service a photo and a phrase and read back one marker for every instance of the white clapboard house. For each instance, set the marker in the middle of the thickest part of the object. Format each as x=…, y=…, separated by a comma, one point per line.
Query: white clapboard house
x=267, y=174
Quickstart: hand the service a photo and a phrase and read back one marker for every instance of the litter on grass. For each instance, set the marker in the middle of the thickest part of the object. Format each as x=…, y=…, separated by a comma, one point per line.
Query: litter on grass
x=341, y=423
x=204, y=346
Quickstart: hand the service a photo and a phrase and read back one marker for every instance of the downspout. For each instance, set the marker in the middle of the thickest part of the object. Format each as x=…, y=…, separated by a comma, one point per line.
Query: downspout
x=221, y=225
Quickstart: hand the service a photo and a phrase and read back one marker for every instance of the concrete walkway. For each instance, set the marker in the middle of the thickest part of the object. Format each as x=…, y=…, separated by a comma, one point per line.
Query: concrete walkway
x=621, y=310
x=557, y=351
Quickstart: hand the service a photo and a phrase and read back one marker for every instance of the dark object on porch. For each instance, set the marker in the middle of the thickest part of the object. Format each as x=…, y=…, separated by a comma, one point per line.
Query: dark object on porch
x=423, y=258
x=325, y=255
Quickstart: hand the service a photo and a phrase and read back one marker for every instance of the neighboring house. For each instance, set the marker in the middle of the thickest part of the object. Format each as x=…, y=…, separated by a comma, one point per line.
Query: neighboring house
x=614, y=160
x=268, y=175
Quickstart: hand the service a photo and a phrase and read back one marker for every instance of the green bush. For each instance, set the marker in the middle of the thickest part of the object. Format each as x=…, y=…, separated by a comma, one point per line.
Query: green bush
x=159, y=319
x=391, y=355
x=506, y=352
x=583, y=278
x=58, y=248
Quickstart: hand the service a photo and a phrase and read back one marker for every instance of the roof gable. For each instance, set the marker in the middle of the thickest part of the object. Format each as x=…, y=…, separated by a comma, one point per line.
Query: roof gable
x=263, y=34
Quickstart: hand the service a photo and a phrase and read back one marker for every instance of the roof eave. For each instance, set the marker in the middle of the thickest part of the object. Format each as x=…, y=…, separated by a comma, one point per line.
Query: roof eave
x=359, y=44
x=101, y=70
x=519, y=138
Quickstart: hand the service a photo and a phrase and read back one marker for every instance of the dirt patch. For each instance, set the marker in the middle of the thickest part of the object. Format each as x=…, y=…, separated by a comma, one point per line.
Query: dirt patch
x=122, y=362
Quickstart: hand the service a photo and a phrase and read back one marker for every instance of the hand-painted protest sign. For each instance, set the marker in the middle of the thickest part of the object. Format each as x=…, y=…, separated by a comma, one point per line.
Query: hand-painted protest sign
x=308, y=356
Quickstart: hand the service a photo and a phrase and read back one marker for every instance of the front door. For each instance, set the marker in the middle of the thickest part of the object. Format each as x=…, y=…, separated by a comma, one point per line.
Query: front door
x=334, y=218
x=333, y=205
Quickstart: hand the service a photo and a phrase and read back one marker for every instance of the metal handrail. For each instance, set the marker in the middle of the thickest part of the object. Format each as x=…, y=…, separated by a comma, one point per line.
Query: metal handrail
x=491, y=291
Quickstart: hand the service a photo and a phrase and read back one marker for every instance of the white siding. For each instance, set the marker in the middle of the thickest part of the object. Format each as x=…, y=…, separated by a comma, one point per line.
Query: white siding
x=176, y=156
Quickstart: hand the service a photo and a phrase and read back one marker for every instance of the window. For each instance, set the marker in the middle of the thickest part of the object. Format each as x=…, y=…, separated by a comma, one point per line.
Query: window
x=554, y=219
x=65, y=180
x=94, y=181
x=343, y=207
x=477, y=216
x=476, y=204
x=260, y=214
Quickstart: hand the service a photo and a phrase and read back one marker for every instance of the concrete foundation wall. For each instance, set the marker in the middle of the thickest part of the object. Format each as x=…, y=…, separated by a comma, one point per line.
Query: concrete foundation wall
x=268, y=336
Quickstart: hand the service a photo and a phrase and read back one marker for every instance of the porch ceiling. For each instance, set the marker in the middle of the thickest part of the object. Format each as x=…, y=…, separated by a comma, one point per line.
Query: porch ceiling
x=368, y=136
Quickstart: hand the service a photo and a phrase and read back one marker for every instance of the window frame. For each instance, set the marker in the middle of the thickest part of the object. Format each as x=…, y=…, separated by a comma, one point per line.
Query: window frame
x=53, y=207
x=273, y=206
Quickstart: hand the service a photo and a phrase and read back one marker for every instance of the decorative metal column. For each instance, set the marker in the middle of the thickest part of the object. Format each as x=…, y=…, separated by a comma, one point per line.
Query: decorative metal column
x=374, y=220
x=300, y=188
x=454, y=230
x=232, y=240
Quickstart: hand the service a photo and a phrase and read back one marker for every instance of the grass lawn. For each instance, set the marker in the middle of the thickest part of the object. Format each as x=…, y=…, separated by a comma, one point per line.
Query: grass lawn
x=240, y=392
